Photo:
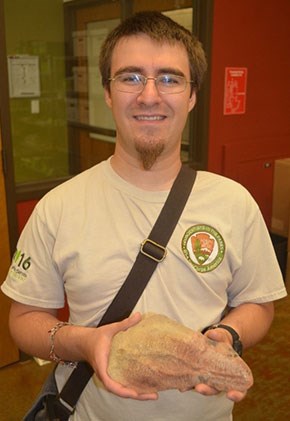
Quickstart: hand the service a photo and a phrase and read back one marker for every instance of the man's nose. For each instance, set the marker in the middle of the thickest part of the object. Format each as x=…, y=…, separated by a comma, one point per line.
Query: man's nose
x=150, y=89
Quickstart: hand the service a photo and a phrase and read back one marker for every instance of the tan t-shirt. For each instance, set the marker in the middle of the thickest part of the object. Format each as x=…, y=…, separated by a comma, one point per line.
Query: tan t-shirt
x=83, y=238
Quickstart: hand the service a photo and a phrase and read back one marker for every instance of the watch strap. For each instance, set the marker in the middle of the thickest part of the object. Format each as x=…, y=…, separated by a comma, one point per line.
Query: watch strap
x=237, y=344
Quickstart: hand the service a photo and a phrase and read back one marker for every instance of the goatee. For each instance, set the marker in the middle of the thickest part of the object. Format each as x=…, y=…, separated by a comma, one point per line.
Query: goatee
x=149, y=152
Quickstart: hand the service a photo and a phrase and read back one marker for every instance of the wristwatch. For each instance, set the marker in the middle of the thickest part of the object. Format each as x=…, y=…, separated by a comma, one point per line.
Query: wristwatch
x=237, y=344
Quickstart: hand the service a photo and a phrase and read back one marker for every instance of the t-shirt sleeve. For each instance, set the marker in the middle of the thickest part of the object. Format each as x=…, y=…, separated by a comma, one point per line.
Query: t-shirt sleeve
x=33, y=277
x=258, y=277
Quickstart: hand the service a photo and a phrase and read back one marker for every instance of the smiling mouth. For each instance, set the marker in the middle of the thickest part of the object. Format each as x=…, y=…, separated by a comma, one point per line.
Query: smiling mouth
x=149, y=117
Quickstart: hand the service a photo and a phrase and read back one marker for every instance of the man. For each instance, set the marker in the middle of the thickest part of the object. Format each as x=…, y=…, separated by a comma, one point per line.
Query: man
x=83, y=237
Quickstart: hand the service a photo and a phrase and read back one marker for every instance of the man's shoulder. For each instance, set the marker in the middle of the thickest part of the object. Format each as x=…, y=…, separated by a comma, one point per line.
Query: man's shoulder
x=79, y=182
x=223, y=188
x=214, y=179
x=73, y=192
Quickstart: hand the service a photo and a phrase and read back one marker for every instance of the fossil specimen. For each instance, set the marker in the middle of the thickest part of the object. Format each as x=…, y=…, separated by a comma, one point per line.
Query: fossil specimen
x=159, y=353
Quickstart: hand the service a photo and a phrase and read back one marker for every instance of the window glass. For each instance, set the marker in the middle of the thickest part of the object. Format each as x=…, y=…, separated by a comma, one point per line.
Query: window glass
x=36, y=58
x=59, y=121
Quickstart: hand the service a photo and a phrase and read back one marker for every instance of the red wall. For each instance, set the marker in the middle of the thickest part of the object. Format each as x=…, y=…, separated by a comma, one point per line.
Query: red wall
x=253, y=34
x=24, y=210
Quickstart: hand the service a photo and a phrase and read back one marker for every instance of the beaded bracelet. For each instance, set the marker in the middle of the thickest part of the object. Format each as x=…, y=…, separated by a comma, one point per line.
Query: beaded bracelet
x=52, y=355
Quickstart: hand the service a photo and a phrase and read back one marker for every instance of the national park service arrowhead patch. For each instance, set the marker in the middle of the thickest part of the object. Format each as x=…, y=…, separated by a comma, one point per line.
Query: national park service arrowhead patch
x=204, y=247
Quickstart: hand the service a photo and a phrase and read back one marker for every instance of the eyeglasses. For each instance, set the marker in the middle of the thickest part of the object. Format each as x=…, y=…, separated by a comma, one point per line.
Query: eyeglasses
x=134, y=83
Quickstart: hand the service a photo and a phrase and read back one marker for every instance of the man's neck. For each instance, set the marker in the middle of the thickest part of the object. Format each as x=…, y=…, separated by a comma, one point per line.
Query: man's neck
x=159, y=177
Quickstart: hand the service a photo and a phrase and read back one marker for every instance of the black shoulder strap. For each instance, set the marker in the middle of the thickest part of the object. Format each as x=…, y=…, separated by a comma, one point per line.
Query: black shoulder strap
x=152, y=251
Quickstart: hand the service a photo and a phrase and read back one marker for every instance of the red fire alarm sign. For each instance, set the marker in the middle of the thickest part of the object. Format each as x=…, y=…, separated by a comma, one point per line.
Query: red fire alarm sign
x=235, y=90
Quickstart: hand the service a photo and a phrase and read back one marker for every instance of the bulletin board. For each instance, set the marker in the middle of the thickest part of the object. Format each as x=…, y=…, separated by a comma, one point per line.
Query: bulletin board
x=24, y=80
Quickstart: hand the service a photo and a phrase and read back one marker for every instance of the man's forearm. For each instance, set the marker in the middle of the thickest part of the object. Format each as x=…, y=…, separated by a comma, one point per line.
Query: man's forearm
x=30, y=330
x=251, y=321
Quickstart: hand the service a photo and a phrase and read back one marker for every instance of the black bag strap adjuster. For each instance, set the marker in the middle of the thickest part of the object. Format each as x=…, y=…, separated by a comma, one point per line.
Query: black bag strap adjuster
x=153, y=250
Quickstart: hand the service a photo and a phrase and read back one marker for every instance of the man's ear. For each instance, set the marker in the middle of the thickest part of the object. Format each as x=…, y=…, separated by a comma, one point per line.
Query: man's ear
x=192, y=101
x=108, y=98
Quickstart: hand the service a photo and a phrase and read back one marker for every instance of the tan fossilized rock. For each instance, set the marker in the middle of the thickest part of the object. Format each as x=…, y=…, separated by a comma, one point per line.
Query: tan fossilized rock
x=159, y=354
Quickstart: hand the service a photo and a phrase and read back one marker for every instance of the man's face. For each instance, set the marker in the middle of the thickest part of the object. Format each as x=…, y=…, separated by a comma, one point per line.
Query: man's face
x=149, y=123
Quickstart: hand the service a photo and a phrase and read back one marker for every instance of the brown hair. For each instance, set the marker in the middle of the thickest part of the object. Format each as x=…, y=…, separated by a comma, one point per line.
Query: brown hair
x=161, y=29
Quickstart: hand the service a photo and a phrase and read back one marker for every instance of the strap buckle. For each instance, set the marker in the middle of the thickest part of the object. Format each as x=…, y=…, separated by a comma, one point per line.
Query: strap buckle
x=62, y=410
x=153, y=250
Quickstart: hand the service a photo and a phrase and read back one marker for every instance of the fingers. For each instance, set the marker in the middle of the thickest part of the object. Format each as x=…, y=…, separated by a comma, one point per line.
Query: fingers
x=131, y=320
x=102, y=360
x=233, y=395
x=219, y=335
x=126, y=392
x=206, y=390
x=126, y=323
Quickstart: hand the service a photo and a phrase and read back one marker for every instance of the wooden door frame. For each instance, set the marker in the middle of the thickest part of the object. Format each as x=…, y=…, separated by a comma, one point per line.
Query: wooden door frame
x=203, y=10
x=5, y=127
x=8, y=351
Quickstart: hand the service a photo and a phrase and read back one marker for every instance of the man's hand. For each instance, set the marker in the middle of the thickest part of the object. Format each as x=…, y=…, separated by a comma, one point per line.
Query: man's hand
x=100, y=357
x=220, y=335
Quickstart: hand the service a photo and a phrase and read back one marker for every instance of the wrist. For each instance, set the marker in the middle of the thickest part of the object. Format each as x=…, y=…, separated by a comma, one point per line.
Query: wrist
x=236, y=341
x=53, y=356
